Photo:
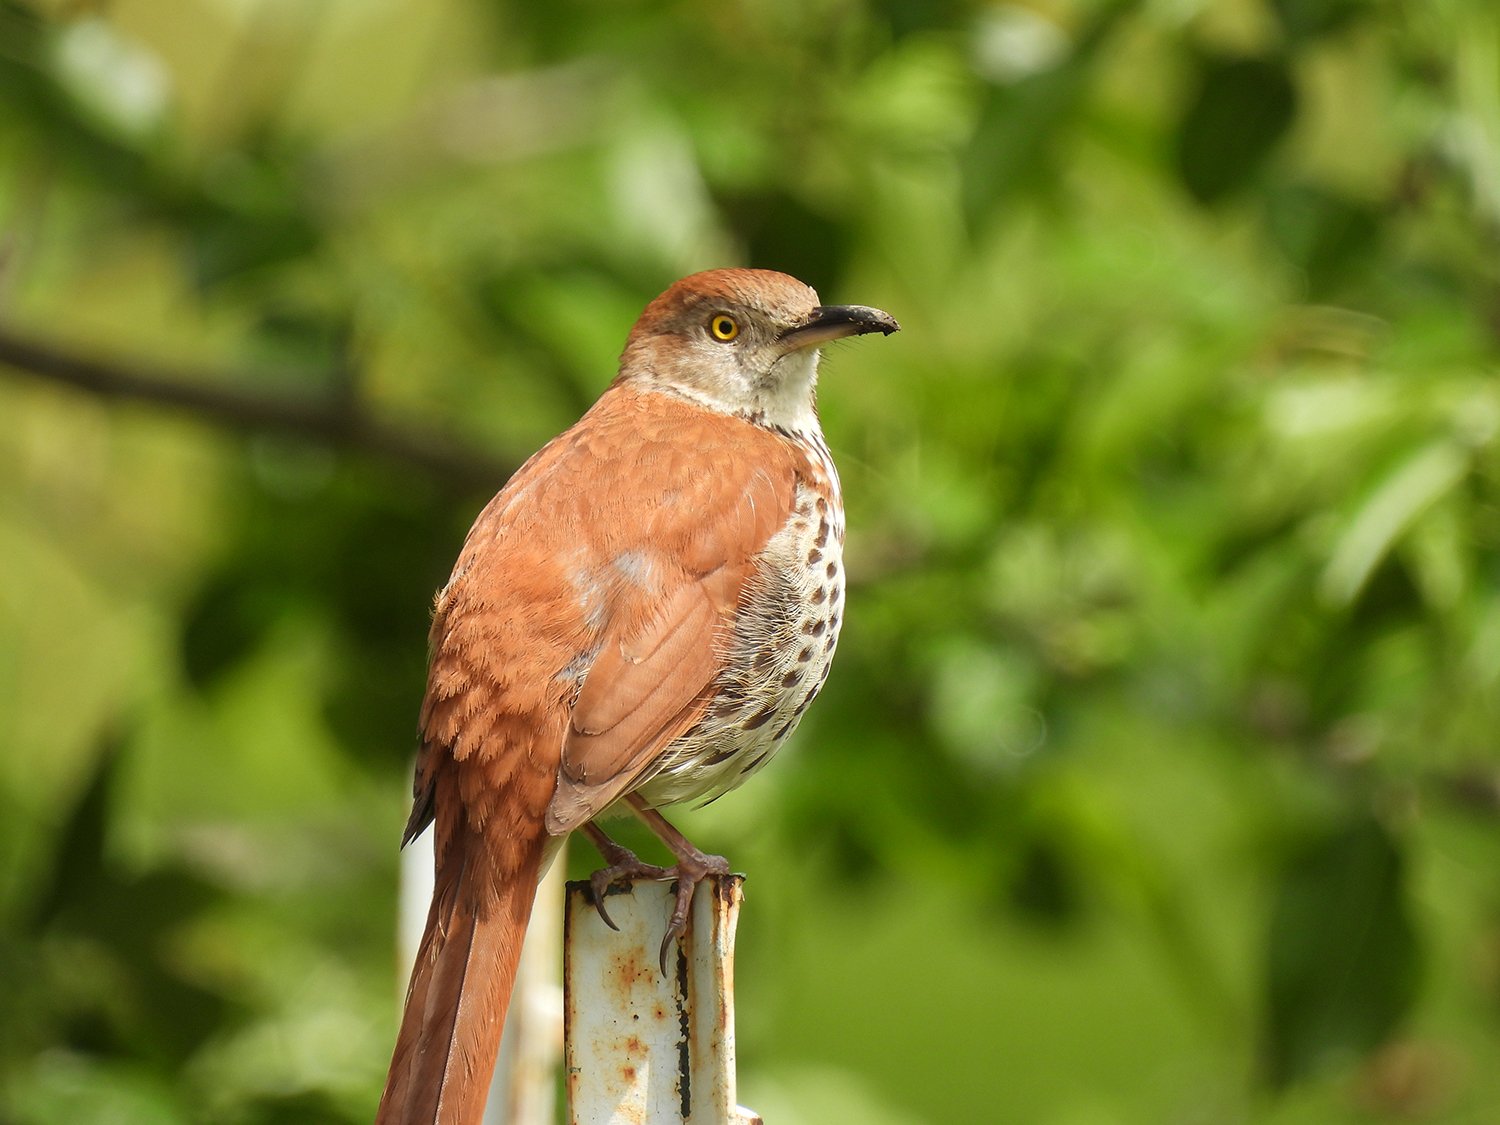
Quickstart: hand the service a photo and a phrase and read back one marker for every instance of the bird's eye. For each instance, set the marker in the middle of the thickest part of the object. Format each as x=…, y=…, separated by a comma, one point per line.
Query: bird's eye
x=723, y=328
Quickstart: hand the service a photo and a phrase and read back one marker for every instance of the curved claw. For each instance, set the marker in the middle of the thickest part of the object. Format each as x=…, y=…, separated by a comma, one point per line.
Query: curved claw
x=629, y=868
x=599, y=883
x=666, y=946
x=690, y=872
x=691, y=867
x=623, y=864
x=677, y=923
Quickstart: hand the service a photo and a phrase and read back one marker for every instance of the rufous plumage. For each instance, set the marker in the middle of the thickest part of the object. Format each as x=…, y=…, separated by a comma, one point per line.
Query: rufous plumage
x=640, y=617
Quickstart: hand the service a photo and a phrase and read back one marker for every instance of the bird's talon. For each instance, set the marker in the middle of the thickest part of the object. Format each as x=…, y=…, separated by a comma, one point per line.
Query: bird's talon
x=623, y=864
x=600, y=888
x=687, y=883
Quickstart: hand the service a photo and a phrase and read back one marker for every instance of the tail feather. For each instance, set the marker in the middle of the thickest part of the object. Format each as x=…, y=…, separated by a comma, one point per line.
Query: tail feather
x=460, y=987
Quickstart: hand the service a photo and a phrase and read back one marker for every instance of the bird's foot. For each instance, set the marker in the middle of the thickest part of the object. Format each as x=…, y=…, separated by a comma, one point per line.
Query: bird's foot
x=690, y=870
x=624, y=864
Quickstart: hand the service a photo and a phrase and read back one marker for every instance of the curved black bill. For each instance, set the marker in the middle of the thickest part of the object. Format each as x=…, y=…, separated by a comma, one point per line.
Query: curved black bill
x=833, y=322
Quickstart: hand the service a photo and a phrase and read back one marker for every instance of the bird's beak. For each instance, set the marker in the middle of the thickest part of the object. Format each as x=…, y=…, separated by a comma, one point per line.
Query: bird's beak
x=833, y=322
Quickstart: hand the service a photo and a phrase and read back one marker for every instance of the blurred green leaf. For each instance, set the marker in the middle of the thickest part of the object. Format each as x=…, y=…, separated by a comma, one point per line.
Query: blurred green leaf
x=78, y=864
x=779, y=227
x=1310, y=19
x=1418, y=482
x=222, y=625
x=1342, y=953
x=151, y=1009
x=1241, y=108
x=1327, y=235
x=73, y=1089
x=1021, y=122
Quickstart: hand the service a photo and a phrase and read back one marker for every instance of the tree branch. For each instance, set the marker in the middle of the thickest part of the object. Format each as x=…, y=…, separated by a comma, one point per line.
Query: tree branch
x=225, y=401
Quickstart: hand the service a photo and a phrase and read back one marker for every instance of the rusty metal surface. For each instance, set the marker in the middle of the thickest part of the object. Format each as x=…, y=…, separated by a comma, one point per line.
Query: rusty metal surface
x=642, y=1048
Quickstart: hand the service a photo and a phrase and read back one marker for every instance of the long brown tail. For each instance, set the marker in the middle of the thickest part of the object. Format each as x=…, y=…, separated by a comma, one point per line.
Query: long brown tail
x=461, y=983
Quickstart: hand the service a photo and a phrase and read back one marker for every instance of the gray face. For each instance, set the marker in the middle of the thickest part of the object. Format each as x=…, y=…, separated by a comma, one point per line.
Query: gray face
x=746, y=347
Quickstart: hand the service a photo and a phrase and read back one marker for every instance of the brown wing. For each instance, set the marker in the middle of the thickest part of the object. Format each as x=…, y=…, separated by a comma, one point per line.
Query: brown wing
x=667, y=639
x=585, y=621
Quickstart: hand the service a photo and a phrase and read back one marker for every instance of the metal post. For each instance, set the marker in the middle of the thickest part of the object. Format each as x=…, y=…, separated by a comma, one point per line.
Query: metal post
x=640, y=1048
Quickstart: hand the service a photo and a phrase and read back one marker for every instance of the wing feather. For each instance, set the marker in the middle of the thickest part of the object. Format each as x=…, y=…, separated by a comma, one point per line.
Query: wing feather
x=596, y=596
x=664, y=649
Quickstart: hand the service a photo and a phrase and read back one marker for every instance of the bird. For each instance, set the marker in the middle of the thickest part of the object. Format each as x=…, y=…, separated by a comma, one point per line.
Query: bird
x=639, y=618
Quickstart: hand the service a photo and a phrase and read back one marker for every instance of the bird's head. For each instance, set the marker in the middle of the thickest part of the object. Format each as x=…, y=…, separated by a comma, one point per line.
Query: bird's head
x=744, y=342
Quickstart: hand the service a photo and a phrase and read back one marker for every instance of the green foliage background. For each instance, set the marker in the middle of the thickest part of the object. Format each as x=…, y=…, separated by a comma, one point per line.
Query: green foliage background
x=1157, y=780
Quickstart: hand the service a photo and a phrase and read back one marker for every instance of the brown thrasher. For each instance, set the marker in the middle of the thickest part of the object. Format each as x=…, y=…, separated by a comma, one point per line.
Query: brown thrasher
x=640, y=617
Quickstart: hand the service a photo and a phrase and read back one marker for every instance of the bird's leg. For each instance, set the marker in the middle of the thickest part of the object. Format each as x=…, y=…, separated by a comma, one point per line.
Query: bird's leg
x=691, y=867
x=623, y=864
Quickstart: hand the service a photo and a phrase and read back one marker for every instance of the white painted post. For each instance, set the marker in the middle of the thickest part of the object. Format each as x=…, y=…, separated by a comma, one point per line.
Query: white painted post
x=641, y=1048
x=522, y=1091
x=414, y=896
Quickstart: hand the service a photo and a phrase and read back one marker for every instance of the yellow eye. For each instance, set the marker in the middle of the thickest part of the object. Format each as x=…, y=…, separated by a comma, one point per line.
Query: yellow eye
x=724, y=328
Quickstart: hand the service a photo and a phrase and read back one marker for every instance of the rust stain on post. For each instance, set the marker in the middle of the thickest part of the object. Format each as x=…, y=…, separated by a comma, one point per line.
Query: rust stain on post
x=640, y=1046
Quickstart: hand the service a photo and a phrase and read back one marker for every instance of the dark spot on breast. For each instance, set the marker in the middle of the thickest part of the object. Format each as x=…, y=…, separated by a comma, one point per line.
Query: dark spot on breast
x=760, y=718
x=833, y=620
x=723, y=755
x=785, y=729
x=759, y=758
x=829, y=643
x=826, y=669
x=805, y=655
x=819, y=595
x=814, y=557
x=792, y=678
x=725, y=708
x=822, y=539
x=833, y=570
x=822, y=506
x=817, y=629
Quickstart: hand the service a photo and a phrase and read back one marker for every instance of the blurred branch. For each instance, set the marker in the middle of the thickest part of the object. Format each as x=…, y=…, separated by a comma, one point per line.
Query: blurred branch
x=223, y=400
